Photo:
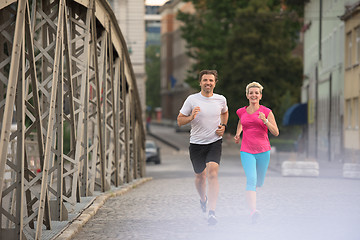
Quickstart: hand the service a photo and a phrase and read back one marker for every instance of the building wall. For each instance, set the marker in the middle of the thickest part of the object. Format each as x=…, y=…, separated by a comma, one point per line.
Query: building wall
x=323, y=86
x=352, y=81
x=174, y=61
x=130, y=15
x=153, y=25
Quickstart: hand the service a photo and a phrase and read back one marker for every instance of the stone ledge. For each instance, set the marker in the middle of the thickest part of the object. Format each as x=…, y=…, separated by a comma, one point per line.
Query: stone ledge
x=351, y=170
x=300, y=169
x=73, y=227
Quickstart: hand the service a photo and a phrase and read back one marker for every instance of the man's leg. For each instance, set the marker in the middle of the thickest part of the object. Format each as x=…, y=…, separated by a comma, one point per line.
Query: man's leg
x=213, y=188
x=200, y=184
x=198, y=161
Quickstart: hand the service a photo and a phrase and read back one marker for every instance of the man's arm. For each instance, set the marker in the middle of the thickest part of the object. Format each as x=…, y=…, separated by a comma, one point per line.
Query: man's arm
x=223, y=121
x=183, y=119
x=224, y=117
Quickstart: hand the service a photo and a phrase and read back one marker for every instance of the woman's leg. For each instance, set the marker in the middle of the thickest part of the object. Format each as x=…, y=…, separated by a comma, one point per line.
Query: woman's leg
x=262, y=164
x=251, y=200
x=249, y=164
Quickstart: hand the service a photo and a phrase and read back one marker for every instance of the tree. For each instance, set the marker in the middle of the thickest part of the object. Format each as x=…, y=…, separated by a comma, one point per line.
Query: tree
x=206, y=33
x=246, y=41
x=153, y=76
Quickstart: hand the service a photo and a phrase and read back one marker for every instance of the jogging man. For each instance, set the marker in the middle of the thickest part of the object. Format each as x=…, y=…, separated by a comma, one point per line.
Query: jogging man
x=208, y=114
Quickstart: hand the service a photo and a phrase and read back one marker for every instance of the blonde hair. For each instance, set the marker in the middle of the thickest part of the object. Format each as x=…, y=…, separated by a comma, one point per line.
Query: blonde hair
x=254, y=84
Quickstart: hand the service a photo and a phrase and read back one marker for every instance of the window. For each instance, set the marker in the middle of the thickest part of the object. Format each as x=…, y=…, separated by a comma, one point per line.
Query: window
x=349, y=45
x=357, y=45
x=348, y=113
x=334, y=47
x=356, y=113
x=341, y=42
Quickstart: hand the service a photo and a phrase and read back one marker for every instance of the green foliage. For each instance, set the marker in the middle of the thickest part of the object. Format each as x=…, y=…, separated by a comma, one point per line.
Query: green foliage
x=66, y=136
x=153, y=76
x=297, y=5
x=245, y=41
x=283, y=145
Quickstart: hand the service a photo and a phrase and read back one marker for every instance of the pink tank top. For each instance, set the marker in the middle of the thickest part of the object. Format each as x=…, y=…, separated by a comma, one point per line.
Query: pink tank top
x=255, y=133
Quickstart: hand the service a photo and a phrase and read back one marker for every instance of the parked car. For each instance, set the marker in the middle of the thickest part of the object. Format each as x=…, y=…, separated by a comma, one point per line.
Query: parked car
x=152, y=152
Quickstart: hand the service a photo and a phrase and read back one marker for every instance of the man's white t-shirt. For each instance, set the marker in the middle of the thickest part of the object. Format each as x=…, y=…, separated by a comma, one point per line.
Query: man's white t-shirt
x=206, y=122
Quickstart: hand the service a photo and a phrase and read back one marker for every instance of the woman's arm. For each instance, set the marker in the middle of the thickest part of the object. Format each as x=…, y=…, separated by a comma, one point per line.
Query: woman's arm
x=238, y=132
x=271, y=124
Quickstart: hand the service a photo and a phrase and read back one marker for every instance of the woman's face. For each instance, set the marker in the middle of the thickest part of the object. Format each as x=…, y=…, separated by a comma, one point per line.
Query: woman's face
x=254, y=95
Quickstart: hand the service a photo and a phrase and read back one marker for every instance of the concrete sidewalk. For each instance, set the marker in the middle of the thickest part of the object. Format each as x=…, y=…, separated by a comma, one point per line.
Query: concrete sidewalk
x=85, y=210
x=168, y=208
x=147, y=212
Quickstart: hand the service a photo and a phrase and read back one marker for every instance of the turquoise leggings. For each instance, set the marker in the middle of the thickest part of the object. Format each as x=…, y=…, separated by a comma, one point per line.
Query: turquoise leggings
x=255, y=167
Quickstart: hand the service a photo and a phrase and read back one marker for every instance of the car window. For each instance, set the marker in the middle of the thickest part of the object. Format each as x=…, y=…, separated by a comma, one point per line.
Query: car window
x=150, y=144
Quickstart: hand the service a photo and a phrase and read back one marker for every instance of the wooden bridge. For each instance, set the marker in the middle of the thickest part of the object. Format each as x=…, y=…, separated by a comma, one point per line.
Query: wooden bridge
x=70, y=116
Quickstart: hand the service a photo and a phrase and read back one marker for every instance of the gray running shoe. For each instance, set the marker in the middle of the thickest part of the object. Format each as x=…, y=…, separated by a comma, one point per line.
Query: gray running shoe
x=203, y=204
x=255, y=217
x=212, y=218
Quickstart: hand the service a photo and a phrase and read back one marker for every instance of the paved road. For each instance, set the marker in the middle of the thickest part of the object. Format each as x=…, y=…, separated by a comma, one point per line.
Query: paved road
x=167, y=207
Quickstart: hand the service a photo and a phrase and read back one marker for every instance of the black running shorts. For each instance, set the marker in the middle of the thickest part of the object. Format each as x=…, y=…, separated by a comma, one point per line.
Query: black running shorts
x=200, y=154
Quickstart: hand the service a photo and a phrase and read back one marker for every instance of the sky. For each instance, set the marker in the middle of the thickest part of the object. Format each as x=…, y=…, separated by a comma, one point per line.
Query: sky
x=155, y=2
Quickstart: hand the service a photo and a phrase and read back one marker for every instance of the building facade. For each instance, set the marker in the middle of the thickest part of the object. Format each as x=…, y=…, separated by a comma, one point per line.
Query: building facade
x=174, y=61
x=130, y=15
x=323, y=85
x=152, y=25
x=352, y=81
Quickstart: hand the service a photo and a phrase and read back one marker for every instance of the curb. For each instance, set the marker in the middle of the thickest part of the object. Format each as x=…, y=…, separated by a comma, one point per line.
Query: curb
x=164, y=141
x=75, y=225
x=351, y=170
x=298, y=168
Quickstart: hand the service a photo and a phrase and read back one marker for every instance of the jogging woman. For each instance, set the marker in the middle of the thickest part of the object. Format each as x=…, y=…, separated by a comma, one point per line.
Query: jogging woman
x=255, y=121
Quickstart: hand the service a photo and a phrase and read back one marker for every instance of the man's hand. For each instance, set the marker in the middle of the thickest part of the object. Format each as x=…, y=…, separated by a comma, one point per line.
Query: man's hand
x=184, y=119
x=195, y=111
x=220, y=130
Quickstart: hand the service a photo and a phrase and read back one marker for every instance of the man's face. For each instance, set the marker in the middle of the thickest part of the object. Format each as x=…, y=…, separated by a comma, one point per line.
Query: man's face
x=207, y=83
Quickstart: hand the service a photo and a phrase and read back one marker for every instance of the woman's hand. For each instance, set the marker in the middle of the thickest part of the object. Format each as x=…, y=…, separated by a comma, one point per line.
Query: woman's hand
x=237, y=139
x=238, y=132
x=262, y=117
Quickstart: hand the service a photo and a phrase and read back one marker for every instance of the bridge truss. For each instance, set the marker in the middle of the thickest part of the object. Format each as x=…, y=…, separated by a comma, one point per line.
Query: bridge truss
x=68, y=91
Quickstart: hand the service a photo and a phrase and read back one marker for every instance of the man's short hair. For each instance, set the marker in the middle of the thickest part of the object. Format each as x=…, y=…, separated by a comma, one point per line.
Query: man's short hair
x=213, y=72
